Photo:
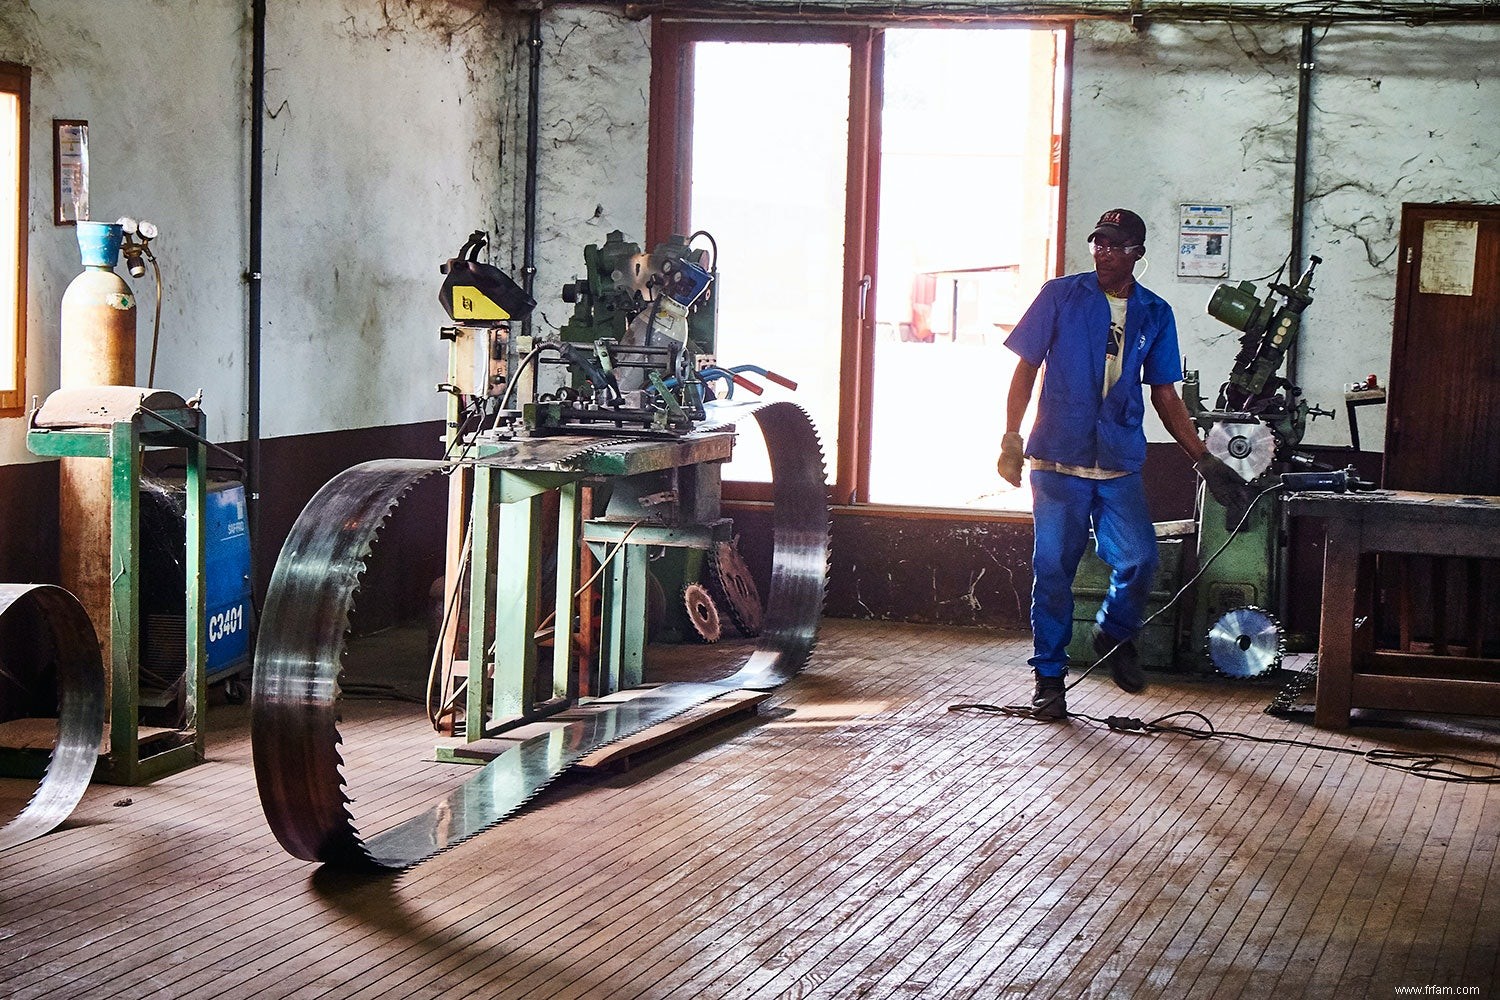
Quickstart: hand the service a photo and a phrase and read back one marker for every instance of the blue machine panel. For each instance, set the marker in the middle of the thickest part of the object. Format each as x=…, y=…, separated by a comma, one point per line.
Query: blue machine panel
x=226, y=556
x=229, y=621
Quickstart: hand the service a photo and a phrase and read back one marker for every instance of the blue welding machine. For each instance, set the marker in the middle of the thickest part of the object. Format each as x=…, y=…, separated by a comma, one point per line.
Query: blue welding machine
x=229, y=613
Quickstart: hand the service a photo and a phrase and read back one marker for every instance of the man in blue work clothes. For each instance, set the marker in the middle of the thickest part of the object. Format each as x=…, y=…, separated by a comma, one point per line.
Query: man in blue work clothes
x=1101, y=337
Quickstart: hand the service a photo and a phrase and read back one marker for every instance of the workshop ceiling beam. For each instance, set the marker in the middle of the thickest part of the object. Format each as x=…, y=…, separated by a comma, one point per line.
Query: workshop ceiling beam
x=1137, y=12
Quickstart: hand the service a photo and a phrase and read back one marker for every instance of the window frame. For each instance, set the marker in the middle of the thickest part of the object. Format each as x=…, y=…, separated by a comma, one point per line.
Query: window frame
x=669, y=197
x=668, y=201
x=16, y=79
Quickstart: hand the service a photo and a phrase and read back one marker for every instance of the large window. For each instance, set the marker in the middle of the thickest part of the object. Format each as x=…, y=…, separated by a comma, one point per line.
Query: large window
x=885, y=204
x=14, y=98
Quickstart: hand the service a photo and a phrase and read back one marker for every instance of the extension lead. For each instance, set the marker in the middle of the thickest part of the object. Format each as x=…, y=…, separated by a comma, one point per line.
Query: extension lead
x=1328, y=480
x=1030, y=711
x=1434, y=766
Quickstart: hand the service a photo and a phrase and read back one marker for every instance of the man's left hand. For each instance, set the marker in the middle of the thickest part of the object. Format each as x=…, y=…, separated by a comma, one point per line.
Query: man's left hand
x=1232, y=492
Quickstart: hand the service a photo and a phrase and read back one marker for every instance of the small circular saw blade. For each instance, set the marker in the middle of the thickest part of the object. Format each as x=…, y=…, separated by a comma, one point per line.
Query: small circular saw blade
x=702, y=612
x=1245, y=642
x=1246, y=447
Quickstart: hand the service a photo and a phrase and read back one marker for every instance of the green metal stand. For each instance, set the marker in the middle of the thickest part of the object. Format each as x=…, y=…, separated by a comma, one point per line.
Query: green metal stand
x=623, y=646
x=504, y=665
x=1245, y=573
x=121, y=443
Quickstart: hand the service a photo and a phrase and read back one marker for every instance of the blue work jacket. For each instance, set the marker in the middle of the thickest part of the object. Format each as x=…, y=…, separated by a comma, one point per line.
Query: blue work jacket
x=1066, y=328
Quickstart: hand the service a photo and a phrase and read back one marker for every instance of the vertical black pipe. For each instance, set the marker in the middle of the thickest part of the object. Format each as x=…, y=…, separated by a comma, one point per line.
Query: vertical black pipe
x=533, y=107
x=1299, y=173
x=253, y=275
x=1279, y=583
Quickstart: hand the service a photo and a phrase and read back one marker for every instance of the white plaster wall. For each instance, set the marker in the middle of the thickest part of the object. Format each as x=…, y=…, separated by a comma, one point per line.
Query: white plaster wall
x=595, y=96
x=382, y=154
x=162, y=87
x=396, y=128
x=1401, y=115
x=1172, y=114
x=383, y=151
x=1180, y=114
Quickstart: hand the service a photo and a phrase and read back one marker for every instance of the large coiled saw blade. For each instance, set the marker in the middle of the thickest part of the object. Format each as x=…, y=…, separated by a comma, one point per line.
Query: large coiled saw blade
x=1245, y=642
x=81, y=710
x=294, y=735
x=1247, y=447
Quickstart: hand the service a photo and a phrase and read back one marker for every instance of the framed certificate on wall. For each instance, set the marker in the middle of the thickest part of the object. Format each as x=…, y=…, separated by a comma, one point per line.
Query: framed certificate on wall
x=70, y=170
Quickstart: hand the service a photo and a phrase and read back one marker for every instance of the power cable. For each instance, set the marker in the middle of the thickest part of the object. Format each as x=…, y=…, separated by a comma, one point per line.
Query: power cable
x=1030, y=711
x=1435, y=766
x=462, y=686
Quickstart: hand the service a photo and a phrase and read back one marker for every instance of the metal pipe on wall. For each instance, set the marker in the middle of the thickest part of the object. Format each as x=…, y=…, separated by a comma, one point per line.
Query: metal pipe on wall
x=533, y=106
x=253, y=270
x=1299, y=173
x=1138, y=13
x=1295, y=257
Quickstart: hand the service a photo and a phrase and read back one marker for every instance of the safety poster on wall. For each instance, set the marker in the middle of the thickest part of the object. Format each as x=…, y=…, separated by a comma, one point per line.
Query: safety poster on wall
x=1203, y=241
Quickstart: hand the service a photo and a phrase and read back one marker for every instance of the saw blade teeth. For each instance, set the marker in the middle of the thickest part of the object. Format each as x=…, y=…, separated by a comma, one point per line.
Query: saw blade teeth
x=1245, y=642
x=702, y=612
x=1247, y=447
x=358, y=503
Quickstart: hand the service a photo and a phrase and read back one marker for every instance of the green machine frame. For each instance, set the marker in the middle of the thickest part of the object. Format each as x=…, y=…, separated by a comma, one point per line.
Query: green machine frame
x=507, y=694
x=121, y=442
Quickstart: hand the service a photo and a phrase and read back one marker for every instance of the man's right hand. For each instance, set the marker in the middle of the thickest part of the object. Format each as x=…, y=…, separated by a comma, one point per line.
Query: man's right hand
x=1009, y=466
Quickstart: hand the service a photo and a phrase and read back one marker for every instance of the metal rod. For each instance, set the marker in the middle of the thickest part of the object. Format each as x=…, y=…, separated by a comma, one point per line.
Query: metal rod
x=193, y=434
x=1137, y=12
x=533, y=142
x=253, y=271
x=1299, y=174
x=1281, y=520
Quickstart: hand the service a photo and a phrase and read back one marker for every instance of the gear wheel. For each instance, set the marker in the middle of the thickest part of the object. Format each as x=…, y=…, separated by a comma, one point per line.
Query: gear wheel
x=702, y=612
x=729, y=575
x=1245, y=642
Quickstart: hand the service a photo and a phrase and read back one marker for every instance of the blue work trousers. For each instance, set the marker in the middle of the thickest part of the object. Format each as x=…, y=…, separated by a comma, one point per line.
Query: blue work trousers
x=1065, y=507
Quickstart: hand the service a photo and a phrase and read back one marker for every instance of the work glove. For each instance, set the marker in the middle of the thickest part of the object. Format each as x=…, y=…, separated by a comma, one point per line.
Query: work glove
x=1232, y=492
x=1009, y=465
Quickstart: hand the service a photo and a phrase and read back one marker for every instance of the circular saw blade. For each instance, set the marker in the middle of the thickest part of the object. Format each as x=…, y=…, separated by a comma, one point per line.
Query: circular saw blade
x=1246, y=447
x=734, y=585
x=1245, y=642
x=702, y=612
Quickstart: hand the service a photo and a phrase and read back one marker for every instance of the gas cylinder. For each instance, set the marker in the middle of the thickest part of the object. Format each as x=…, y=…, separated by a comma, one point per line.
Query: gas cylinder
x=98, y=314
x=98, y=348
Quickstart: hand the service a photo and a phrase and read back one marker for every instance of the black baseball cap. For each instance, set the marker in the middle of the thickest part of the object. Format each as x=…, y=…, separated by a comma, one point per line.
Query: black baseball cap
x=1121, y=225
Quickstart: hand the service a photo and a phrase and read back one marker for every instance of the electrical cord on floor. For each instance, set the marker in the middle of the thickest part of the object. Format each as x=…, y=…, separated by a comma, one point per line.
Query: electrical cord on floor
x=1034, y=711
x=375, y=691
x=1436, y=766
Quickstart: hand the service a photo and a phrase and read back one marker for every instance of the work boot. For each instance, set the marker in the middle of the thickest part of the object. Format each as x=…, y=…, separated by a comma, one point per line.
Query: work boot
x=1050, y=701
x=1124, y=662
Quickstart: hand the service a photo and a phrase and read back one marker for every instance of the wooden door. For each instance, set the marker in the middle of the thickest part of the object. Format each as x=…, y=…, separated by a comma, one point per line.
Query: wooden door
x=1443, y=421
x=1443, y=411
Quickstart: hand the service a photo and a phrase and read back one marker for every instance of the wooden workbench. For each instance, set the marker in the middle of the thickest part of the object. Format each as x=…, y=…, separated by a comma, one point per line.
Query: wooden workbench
x=1352, y=671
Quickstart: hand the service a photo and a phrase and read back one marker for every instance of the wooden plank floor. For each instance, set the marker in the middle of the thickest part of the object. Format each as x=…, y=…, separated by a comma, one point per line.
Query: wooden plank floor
x=856, y=840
